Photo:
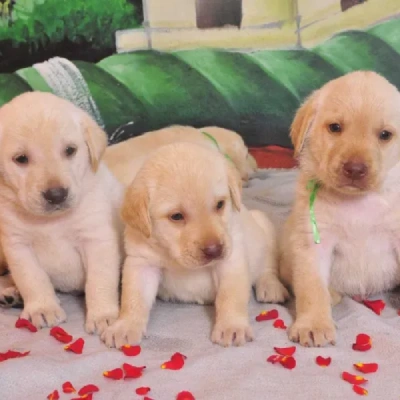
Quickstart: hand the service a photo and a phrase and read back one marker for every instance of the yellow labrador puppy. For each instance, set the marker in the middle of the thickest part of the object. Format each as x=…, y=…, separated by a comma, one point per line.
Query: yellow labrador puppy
x=189, y=238
x=344, y=230
x=59, y=223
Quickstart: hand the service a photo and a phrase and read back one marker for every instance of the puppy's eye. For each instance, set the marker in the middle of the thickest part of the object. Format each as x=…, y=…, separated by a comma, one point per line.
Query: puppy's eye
x=335, y=128
x=21, y=159
x=70, y=151
x=177, y=217
x=385, y=135
x=220, y=204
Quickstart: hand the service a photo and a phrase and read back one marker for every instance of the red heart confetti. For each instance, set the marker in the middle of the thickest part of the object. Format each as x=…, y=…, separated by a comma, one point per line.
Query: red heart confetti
x=12, y=354
x=68, y=388
x=366, y=368
x=377, y=306
x=131, y=371
x=274, y=358
x=59, y=334
x=116, y=374
x=24, y=323
x=285, y=351
x=354, y=379
x=147, y=398
x=54, y=395
x=141, y=391
x=88, y=389
x=363, y=342
x=76, y=347
x=267, y=315
x=323, y=362
x=360, y=390
x=185, y=395
x=131, y=351
x=280, y=324
x=288, y=362
x=176, y=362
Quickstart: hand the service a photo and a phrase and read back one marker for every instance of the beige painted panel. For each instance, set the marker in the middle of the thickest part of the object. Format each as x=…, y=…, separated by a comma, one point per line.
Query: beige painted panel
x=313, y=10
x=260, y=12
x=171, y=13
x=358, y=17
x=132, y=39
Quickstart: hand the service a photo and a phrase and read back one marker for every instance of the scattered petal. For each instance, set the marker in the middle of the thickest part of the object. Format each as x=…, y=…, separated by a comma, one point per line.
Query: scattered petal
x=24, y=323
x=54, y=395
x=132, y=372
x=285, y=351
x=360, y=390
x=398, y=312
x=366, y=368
x=377, y=306
x=280, y=324
x=12, y=354
x=141, y=391
x=115, y=374
x=76, y=347
x=68, y=388
x=323, y=362
x=59, y=334
x=267, y=315
x=288, y=362
x=185, y=395
x=176, y=362
x=147, y=398
x=274, y=358
x=88, y=389
x=131, y=351
x=354, y=379
x=363, y=342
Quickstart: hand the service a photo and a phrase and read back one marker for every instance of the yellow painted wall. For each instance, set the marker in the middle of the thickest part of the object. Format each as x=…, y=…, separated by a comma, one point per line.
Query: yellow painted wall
x=260, y=12
x=172, y=13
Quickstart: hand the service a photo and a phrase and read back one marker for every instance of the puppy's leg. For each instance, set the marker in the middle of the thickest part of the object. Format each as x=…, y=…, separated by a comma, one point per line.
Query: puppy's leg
x=41, y=304
x=102, y=282
x=9, y=294
x=231, y=304
x=314, y=325
x=139, y=290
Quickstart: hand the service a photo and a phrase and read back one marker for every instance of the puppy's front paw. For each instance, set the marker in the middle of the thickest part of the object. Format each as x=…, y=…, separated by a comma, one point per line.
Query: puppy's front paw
x=312, y=331
x=233, y=330
x=10, y=297
x=46, y=313
x=271, y=291
x=123, y=331
x=99, y=322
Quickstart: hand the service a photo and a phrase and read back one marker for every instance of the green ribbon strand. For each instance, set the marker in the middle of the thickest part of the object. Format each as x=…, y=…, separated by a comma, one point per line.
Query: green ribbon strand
x=212, y=138
x=313, y=186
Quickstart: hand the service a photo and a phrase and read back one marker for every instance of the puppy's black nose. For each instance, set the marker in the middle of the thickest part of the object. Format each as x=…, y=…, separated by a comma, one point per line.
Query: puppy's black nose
x=55, y=195
x=355, y=170
x=212, y=250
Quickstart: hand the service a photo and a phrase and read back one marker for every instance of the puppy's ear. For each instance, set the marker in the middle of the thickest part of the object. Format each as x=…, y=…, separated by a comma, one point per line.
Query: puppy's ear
x=96, y=140
x=302, y=122
x=235, y=185
x=135, y=208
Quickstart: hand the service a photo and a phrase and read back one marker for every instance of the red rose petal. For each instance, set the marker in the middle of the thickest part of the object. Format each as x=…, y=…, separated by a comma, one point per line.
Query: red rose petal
x=68, y=388
x=280, y=324
x=285, y=351
x=288, y=362
x=12, y=354
x=24, y=323
x=76, y=347
x=54, y=395
x=354, y=379
x=366, y=368
x=267, y=315
x=88, y=389
x=176, y=362
x=360, y=390
x=274, y=358
x=115, y=374
x=377, y=306
x=147, y=398
x=185, y=395
x=131, y=351
x=59, y=334
x=322, y=361
x=363, y=342
x=132, y=372
x=143, y=390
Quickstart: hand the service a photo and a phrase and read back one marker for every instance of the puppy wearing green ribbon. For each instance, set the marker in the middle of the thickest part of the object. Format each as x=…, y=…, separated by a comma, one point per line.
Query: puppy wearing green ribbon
x=343, y=234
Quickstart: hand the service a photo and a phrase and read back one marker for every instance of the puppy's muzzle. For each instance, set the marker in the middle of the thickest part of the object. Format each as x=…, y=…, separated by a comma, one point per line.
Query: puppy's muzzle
x=355, y=170
x=56, y=195
x=212, y=250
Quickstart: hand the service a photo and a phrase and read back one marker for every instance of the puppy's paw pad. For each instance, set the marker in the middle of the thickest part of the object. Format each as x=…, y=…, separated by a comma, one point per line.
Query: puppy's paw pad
x=313, y=332
x=99, y=323
x=46, y=314
x=10, y=297
x=271, y=292
x=232, y=332
x=122, y=332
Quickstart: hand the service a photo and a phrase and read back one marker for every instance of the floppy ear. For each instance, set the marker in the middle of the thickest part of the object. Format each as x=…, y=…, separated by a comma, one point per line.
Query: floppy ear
x=135, y=208
x=235, y=185
x=302, y=122
x=96, y=140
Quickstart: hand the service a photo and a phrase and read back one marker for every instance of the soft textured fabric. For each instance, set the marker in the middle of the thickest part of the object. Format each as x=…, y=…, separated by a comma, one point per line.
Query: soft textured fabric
x=210, y=372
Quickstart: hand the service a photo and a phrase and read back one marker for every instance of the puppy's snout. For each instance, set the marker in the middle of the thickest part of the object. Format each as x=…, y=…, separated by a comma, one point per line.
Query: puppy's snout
x=355, y=170
x=55, y=195
x=212, y=250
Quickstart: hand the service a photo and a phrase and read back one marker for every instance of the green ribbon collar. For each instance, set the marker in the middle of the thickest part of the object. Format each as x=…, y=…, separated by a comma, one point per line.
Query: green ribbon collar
x=212, y=138
x=313, y=186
